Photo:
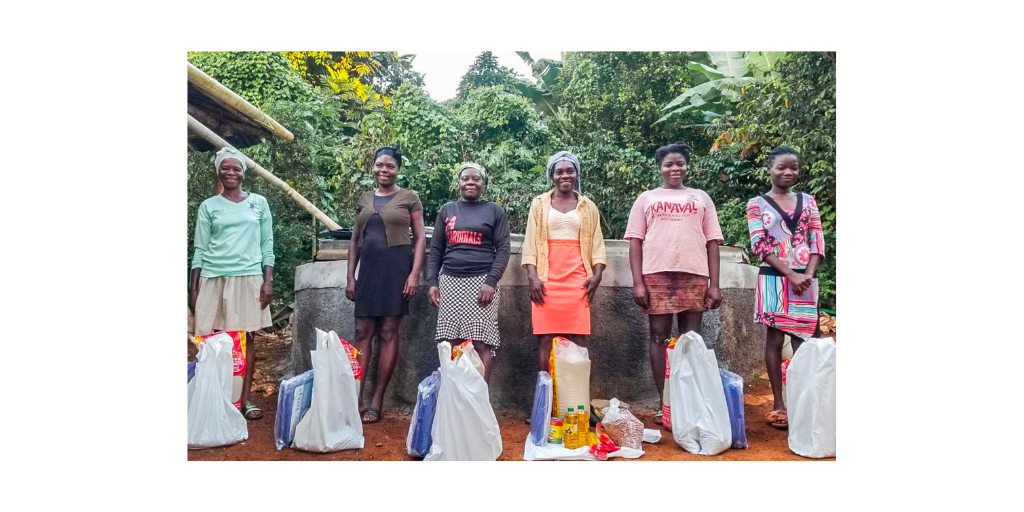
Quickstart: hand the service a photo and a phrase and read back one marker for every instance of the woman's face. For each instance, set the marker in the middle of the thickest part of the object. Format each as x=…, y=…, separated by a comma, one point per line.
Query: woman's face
x=471, y=184
x=785, y=170
x=673, y=169
x=564, y=176
x=230, y=173
x=385, y=170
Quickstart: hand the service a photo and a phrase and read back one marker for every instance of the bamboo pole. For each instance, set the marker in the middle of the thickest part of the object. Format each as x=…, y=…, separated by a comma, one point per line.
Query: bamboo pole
x=204, y=132
x=227, y=98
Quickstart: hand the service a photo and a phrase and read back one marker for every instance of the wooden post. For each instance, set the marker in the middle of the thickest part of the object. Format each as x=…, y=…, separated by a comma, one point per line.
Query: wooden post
x=228, y=99
x=215, y=139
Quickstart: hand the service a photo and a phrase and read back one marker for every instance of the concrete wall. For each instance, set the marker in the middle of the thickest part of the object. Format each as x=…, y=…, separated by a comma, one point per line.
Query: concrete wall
x=620, y=361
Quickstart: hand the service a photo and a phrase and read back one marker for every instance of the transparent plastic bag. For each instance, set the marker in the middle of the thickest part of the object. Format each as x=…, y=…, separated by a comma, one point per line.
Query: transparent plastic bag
x=733, y=385
x=417, y=443
x=570, y=372
x=540, y=417
x=620, y=425
x=294, y=397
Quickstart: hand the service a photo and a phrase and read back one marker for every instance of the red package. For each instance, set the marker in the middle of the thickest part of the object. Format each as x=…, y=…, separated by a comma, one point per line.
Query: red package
x=785, y=365
x=666, y=408
x=352, y=352
x=238, y=342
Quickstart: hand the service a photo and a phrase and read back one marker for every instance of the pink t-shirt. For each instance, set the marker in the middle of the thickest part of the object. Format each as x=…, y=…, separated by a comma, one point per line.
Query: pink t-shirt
x=676, y=226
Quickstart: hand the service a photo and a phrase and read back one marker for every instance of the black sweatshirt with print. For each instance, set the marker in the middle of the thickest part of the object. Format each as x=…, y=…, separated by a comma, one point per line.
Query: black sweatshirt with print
x=471, y=238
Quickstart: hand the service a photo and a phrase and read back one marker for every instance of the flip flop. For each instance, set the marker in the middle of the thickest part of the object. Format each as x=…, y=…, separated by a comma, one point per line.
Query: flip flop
x=777, y=419
x=251, y=412
x=658, y=416
x=377, y=416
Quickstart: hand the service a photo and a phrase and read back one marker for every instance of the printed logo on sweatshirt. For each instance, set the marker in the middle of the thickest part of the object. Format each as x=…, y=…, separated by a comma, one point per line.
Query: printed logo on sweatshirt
x=456, y=236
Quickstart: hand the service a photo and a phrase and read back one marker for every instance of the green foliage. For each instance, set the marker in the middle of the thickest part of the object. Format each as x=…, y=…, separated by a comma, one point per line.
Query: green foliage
x=431, y=140
x=486, y=72
x=602, y=106
x=259, y=77
x=616, y=97
x=545, y=74
x=723, y=82
x=797, y=109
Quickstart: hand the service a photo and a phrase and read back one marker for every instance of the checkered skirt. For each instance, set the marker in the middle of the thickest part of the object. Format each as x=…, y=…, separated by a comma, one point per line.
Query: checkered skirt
x=460, y=318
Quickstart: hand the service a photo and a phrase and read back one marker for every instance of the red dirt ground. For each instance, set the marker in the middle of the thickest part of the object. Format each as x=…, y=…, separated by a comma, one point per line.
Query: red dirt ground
x=386, y=440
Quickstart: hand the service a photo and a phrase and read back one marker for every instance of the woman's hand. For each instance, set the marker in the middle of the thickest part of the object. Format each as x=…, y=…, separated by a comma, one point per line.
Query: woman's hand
x=193, y=295
x=800, y=282
x=485, y=295
x=591, y=288
x=713, y=298
x=411, y=283
x=537, y=292
x=435, y=296
x=266, y=293
x=350, y=289
x=640, y=295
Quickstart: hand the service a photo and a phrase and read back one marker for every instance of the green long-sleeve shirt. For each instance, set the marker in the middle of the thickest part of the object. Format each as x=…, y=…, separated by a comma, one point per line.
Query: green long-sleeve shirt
x=233, y=239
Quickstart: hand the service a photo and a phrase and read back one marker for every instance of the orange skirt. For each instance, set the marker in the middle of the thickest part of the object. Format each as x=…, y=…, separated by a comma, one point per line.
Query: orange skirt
x=565, y=309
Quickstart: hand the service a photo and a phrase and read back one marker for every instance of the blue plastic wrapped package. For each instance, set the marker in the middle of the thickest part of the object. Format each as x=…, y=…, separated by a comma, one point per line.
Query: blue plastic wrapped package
x=293, y=400
x=733, y=385
x=418, y=442
x=540, y=418
x=191, y=370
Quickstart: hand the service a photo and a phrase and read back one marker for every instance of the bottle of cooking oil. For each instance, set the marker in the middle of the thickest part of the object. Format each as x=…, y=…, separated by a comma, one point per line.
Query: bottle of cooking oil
x=583, y=420
x=570, y=437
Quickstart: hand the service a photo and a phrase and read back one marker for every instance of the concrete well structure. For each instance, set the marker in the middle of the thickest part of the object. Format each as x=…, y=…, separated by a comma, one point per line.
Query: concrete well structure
x=618, y=345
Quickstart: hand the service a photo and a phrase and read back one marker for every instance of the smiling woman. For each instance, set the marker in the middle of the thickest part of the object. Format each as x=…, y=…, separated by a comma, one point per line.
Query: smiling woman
x=232, y=278
x=468, y=255
x=389, y=267
x=564, y=256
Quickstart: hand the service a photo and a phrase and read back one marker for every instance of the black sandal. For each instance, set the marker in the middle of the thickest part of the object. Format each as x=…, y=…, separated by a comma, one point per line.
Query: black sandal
x=377, y=416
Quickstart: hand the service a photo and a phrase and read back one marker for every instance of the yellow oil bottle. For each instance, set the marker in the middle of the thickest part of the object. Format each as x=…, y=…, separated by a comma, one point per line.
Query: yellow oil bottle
x=583, y=430
x=570, y=437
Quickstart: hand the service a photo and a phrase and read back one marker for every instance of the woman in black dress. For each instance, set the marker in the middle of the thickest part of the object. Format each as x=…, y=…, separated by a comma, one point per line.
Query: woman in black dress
x=389, y=270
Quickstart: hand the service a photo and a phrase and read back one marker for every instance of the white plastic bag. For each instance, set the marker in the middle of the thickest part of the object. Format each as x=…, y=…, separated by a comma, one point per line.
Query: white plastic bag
x=474, y=359
x=700, y=414
x=212, y=418
x=571, y=374
x=811, y=399
x=465, y=427
x=332, y=422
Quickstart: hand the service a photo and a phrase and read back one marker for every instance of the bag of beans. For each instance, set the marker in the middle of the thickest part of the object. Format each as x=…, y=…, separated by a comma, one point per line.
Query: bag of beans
x=620, y=425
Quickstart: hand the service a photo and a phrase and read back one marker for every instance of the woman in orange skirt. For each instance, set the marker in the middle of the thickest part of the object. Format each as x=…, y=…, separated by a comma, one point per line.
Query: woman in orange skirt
x=564, y=256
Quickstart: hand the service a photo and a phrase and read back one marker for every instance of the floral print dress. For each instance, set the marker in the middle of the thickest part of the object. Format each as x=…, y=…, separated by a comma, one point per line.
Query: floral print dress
x=792, y=236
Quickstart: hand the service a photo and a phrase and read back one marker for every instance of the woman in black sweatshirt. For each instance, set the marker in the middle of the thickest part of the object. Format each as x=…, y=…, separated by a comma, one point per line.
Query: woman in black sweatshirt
x=469, y=251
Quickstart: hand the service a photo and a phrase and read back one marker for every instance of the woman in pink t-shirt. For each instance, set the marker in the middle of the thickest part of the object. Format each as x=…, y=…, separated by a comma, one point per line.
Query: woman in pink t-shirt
x=673, y=238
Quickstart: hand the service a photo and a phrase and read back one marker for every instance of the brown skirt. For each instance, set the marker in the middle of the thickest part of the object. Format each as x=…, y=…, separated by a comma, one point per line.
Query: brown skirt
x=674, y=292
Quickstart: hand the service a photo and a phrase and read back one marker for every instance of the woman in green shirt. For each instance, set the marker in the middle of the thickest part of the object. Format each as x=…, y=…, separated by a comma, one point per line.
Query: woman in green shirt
x=232, y=279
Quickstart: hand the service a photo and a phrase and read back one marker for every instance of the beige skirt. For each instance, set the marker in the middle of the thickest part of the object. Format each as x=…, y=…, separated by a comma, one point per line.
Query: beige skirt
x=230, y=303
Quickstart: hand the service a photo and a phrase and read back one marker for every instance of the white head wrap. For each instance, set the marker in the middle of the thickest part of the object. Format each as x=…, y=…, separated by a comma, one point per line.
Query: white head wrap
x=226, y=153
